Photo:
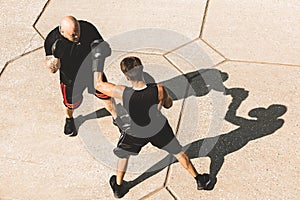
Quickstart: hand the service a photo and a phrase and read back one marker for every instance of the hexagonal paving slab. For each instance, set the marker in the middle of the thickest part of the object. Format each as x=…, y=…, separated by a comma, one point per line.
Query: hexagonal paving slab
x=194, y=56
x=39, y=162
x=256, y=31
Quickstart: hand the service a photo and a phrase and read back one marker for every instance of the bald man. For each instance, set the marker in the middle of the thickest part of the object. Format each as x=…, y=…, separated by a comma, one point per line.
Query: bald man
x=67, y=48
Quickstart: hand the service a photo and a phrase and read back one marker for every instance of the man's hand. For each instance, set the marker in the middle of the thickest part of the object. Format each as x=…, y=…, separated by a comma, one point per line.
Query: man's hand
x=52, y=63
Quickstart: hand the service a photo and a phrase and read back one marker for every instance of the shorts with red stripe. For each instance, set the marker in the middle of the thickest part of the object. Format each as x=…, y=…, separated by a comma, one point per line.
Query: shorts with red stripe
x=73, y=95
x=99, y=94
x=102, y=96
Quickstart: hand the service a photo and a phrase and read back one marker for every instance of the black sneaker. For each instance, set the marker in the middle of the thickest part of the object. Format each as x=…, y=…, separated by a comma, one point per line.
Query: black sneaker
x=211, y=183
x=119, y=190
x=202, y=180
x=70, y=128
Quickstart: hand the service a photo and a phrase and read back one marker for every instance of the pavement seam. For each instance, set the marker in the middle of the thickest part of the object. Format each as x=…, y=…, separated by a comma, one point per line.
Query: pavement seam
x=180, y=46
x=204, y=18
x=138, y=52
x=183, y=101
x=213, y=48
x=173, y=64
x=220, y=63
x=172, y=193
x=16, y=58
x=222, y=55
x=30, y=43
x=24, y=52
x=263, y=63
x=38, y=18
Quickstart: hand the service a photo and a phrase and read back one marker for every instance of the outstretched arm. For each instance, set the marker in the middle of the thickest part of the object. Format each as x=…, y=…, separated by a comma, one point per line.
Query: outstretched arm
x=110, y=89
x=101, y=50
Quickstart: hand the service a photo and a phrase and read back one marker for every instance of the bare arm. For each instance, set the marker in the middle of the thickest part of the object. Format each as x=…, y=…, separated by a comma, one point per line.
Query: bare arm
x=164, y=98
x=52, y=63
x=110, y=89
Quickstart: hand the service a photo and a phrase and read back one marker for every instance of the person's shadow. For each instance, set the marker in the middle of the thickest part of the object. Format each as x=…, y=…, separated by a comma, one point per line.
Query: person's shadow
x=216, y=148
x=200, y=83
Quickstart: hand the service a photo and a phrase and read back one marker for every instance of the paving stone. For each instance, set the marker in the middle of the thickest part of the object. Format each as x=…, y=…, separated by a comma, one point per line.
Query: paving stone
x=256, y=31
x=245, y=146
x=260, y=156
x=115, y=17
x=17, y=33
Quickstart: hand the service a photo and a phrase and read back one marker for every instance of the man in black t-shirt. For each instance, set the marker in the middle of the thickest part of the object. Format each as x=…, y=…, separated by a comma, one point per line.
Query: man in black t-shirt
x=146, y=123
x=67, y=49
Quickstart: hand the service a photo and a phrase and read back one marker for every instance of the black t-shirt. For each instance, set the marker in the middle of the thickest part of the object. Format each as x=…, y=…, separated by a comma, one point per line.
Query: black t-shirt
x=142, y=107
x=76, y=56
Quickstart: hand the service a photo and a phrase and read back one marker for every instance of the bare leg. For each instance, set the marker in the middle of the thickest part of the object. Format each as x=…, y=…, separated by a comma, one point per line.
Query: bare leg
x=186, y=163
x=69, y=112
x=121, y=169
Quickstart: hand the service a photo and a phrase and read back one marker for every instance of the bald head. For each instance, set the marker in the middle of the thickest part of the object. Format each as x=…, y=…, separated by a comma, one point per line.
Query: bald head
x=70, y=28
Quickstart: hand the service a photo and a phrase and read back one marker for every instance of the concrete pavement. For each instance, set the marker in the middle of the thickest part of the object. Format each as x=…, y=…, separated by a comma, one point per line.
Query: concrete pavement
x=207, y=52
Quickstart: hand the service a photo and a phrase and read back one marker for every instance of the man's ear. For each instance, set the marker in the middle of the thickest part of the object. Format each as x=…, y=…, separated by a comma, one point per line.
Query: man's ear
x=61, y=31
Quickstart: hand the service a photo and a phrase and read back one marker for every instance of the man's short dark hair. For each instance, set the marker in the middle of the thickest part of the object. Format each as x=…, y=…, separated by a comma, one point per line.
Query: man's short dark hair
x=132, y=67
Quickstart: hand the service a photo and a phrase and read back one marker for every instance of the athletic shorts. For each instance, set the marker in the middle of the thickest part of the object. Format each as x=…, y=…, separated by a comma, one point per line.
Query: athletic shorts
x=73, y=94
x=129, y=145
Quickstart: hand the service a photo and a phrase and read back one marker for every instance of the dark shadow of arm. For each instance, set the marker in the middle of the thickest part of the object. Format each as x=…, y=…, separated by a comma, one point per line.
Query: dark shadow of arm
x=197, y=83
x=238, y=96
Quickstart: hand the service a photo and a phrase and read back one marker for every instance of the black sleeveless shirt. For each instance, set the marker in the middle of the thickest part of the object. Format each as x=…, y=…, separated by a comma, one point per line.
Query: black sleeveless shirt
x=142, y=107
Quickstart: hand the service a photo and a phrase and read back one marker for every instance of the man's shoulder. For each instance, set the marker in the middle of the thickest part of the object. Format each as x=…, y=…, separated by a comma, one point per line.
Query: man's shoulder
x=85, y=25
x=54, y=33
x=89, y=31
x=50, y=39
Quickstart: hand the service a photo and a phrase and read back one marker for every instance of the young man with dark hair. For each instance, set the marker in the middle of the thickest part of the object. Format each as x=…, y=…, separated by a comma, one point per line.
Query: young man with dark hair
x=143, y=103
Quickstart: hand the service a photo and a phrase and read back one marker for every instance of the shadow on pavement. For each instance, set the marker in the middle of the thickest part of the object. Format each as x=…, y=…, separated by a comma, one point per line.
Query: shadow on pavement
x=216, y=148
x=198, y=83
x=265, y=121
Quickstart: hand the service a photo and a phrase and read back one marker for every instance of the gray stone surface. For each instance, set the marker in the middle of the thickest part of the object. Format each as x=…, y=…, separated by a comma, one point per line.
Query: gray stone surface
x=253, y=44
x=17, y=33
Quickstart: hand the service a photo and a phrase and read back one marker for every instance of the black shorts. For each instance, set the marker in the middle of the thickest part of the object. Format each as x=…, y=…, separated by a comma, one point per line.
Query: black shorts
x=73, y=92
x=72, y=95
x=164, y=139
